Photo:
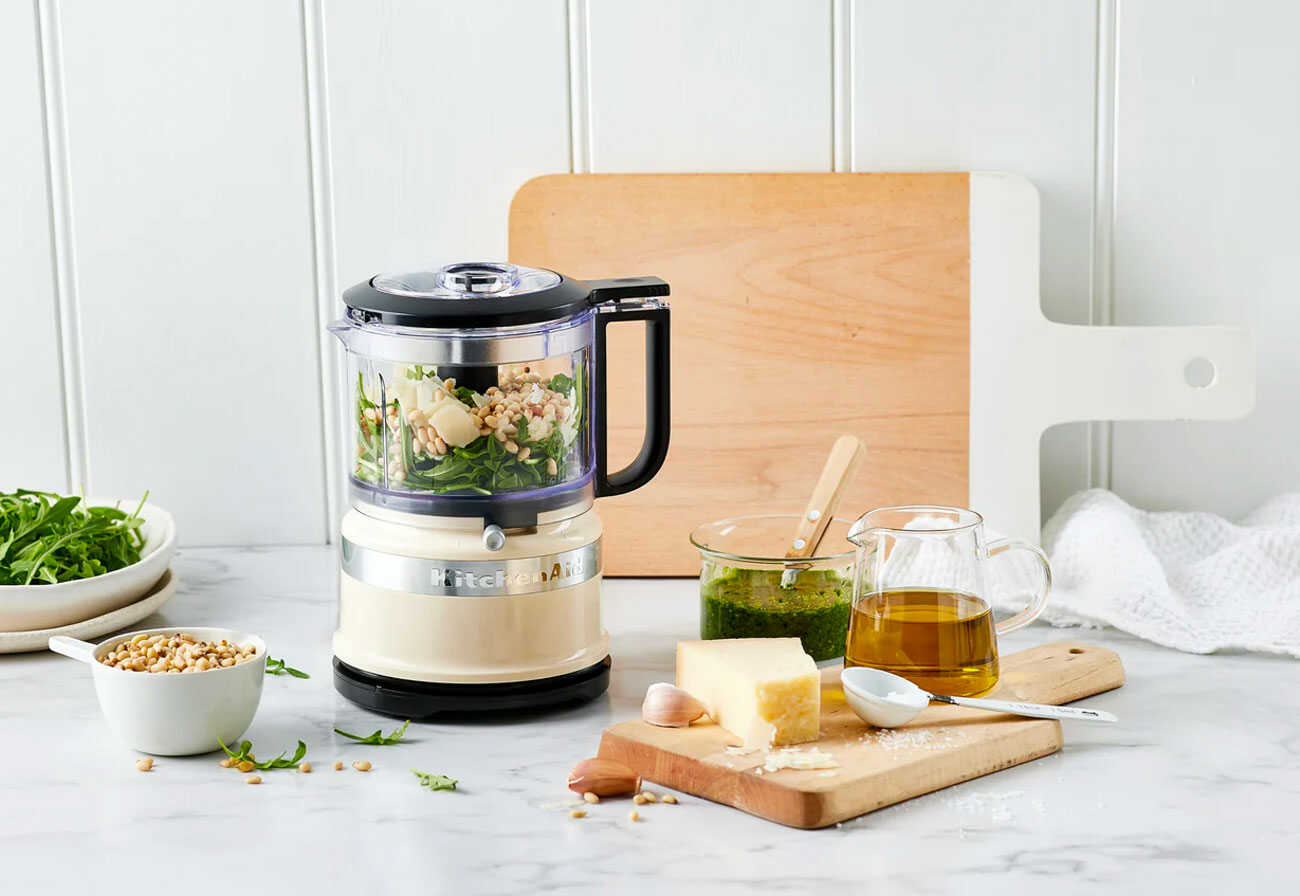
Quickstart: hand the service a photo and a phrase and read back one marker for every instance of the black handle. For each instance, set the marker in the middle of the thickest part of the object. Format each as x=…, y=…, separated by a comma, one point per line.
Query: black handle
x=620, y=288
x=610, y=298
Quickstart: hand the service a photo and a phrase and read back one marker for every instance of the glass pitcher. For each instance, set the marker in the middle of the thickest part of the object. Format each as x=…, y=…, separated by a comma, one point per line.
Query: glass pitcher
x=921, y=599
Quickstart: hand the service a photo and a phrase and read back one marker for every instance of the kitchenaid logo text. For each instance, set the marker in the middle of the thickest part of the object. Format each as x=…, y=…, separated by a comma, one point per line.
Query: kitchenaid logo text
x=476, y=578
x=499, y=579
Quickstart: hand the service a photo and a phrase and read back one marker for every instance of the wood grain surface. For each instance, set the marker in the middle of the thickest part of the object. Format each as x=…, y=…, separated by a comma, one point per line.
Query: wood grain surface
x=803, y=306
x=944, y=745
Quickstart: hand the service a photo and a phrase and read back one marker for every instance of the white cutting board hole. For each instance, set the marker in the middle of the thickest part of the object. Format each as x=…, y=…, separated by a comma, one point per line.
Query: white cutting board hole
x=1199, y=373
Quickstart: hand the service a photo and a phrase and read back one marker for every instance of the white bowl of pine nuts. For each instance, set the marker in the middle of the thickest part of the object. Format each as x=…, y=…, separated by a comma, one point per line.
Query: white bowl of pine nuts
x=175, y=691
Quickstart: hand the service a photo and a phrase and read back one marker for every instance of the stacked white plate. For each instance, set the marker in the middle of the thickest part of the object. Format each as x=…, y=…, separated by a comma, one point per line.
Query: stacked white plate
x=87, y=608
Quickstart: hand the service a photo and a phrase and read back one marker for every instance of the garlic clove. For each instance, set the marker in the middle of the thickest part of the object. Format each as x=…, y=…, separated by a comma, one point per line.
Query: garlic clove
x=603, y=777
x=668, y=706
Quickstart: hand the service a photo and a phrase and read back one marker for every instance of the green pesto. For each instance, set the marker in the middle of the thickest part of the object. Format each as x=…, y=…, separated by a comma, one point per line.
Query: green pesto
x=750, y=603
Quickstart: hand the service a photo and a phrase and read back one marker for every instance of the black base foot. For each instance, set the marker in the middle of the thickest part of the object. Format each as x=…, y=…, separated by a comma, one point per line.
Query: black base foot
x=419, y=699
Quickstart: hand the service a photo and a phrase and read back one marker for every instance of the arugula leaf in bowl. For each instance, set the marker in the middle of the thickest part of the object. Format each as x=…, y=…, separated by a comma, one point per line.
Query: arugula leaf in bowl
x=46, y=538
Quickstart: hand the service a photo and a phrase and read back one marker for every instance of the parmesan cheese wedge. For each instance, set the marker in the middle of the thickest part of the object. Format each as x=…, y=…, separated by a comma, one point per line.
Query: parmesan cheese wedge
x=454, y=423
x=766, y=691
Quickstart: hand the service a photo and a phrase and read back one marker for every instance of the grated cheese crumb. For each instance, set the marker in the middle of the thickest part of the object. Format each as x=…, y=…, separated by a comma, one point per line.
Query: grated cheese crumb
x=899, y=741
x=793, y=757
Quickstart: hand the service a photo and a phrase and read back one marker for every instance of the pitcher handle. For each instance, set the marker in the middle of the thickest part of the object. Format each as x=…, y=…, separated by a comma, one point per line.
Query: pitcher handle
x=1039, y=600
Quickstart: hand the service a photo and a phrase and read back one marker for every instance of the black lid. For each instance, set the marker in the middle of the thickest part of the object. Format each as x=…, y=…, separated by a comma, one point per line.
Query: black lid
x=469, y=295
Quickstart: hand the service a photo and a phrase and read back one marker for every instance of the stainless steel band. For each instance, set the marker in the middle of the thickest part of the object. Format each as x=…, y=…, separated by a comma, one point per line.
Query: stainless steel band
x=456, y=349
x=473, y=578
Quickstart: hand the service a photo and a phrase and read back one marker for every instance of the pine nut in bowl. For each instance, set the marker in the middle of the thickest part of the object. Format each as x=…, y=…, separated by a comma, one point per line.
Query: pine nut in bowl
x=175, y=691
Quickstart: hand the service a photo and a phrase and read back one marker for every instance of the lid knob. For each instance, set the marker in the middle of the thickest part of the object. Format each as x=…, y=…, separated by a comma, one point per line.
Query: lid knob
x=478, y=277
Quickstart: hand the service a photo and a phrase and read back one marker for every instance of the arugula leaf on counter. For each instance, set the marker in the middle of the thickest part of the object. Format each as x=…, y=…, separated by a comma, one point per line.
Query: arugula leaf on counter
x=245, y=751
x=281, y=762
x=278, y=667
x=378, y=739
x=434, y=782
x=245, y=748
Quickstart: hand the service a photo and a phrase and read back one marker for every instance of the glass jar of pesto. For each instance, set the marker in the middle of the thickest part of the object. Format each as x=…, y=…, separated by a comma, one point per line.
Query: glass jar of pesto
x=749, y=590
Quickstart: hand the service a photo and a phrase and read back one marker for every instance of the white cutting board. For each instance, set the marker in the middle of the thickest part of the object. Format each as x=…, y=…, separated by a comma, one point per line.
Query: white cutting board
x=1029, y=373
x=901, y=308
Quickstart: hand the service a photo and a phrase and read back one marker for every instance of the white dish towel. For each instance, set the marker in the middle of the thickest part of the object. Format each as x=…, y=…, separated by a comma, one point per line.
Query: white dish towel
x=1192, y=581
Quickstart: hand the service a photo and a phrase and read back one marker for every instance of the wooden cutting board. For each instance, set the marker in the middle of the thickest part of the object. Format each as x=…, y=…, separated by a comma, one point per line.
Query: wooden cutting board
x=944, y=745
x=900, y=308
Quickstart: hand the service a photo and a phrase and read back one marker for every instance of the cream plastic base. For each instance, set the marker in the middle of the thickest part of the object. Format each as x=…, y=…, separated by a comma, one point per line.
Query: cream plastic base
x=469, y=640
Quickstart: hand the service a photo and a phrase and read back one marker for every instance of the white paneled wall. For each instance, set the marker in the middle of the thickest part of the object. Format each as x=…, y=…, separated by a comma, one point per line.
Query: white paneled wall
x=188, y=186
x=190, y=210
x=706, y=85
x=1206, y=231
x=33, y=450
x=437, y=113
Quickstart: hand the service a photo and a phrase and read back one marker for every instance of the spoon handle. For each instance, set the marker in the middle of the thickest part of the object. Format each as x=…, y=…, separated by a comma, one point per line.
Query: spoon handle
x=841, y=466
x=1034, y=710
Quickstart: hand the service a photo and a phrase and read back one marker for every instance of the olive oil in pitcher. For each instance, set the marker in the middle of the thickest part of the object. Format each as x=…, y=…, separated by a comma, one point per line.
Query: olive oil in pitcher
x=942, y=641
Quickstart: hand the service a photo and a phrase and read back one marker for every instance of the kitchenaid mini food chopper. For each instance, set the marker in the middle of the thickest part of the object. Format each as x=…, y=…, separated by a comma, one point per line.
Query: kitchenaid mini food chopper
x=471, y=560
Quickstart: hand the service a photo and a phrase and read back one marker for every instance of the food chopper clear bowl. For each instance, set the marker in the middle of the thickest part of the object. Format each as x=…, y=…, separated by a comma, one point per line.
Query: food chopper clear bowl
x=468, y=413
x=748, y=589
x=478, y=390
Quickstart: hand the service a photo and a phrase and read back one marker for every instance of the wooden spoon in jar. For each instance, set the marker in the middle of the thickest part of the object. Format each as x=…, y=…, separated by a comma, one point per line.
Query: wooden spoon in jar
x=841, y=466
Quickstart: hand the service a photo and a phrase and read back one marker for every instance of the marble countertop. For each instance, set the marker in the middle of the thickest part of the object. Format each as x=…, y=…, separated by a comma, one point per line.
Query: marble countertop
x=1196, y=788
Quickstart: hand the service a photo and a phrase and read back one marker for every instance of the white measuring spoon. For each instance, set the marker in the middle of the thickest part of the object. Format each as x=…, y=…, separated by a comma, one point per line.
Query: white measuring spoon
x=886, y=700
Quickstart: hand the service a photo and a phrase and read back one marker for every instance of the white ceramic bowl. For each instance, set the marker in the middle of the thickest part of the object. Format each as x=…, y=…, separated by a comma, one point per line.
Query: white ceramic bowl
x=28, y=607
x=175, y=715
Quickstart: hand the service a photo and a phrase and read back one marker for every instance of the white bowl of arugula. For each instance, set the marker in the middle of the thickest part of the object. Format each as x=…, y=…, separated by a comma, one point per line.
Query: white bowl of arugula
x=68, y=559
